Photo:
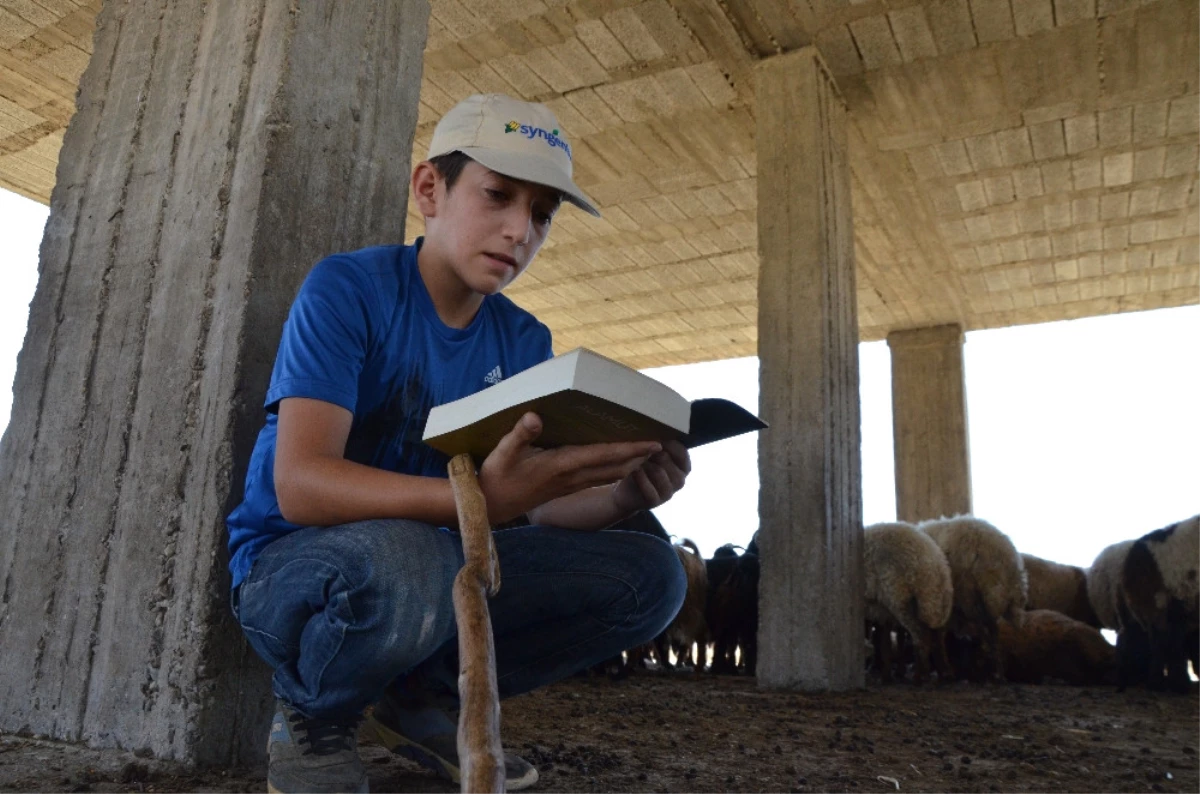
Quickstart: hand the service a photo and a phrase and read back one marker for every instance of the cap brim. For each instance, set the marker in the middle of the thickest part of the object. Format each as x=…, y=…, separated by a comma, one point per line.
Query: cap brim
x=531, y=168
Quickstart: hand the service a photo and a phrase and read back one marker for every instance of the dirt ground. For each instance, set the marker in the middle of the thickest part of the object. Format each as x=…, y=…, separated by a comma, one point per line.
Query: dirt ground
x=672, y=732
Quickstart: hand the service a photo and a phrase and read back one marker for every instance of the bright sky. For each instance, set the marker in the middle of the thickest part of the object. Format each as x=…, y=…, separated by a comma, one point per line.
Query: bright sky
x=1082, y=433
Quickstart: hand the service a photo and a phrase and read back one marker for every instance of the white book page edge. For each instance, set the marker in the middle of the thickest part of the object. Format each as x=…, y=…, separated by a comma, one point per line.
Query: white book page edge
x=609, y=380
x=553, y=375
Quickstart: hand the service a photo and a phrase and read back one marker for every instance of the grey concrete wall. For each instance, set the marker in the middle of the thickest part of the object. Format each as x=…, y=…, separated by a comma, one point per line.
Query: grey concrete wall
x=810, y=502
x=219, y=149
x=929, y=423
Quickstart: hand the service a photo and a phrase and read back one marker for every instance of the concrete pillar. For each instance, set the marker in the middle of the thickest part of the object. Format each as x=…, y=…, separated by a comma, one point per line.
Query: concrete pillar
x=929, y=423
x=219, y=149
x=810, y=502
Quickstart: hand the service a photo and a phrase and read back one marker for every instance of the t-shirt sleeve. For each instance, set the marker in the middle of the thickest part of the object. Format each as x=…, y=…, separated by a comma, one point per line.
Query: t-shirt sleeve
x=545, y=344
x=325, y=338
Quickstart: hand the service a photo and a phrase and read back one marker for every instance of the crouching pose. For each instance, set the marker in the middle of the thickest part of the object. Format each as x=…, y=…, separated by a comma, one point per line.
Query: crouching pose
x=343, y=552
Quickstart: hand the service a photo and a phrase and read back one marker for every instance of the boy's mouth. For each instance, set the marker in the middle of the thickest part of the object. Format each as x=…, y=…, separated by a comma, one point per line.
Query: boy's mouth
x=508, y=260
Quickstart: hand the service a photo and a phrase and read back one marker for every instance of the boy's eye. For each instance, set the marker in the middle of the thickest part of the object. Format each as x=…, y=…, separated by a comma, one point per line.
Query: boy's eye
x=543, y=218
x=495, y=195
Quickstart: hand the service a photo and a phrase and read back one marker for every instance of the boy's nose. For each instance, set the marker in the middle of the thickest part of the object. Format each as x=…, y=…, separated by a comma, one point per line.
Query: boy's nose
x=519, y=225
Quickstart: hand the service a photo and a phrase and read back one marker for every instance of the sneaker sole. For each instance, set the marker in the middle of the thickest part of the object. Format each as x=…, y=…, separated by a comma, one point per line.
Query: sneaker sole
x=372, y=730
x=271, y=789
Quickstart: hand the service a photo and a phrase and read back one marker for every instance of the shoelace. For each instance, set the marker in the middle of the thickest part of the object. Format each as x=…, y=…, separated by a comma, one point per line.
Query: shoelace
x=321, y=736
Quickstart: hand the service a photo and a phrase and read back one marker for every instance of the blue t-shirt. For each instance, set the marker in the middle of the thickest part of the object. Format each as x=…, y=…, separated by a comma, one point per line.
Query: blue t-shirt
x=363, y=334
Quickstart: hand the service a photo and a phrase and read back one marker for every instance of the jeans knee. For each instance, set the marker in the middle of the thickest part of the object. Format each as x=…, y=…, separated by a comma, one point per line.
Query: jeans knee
x=400, y=593
x=661, y=584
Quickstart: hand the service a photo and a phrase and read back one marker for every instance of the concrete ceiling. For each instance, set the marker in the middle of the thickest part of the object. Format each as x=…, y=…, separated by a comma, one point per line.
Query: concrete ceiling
x=1014, y=161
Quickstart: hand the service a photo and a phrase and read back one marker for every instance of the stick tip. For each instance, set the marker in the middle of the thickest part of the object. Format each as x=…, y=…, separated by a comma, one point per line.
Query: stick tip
x=461, y=464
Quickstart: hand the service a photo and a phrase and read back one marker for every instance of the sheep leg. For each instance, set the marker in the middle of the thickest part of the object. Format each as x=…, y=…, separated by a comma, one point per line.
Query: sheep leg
x=940, y=661
x=922, y=641
x=1174, y=638
x=990, y=651
x=480, y=755
x=882, y=638
x=750, y=651
x=662, y=649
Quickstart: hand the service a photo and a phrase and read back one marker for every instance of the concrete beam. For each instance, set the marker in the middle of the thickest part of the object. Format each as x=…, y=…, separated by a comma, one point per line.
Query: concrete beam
x=929, y=423
x=810, y=502
x=219, y=149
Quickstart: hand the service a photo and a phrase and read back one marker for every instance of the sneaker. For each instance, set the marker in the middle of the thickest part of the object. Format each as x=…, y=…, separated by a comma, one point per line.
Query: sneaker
x=438, y=752
x=312, y=755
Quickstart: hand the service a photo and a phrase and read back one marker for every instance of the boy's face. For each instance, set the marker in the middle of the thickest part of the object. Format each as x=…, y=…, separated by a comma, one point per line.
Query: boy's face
x=488, y=227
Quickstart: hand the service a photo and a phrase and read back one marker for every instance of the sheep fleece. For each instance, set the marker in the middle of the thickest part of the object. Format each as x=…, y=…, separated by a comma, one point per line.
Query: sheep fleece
x=1104, y=583
x=901, y=564
x=1051, y=645
x=1062, y=588
x=1175, y=551
x=984, y=567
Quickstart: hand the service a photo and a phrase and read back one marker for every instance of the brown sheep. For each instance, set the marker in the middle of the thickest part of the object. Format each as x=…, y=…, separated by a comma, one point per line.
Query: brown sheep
x=689, y=625
x=734, y=617
x=1062, y=588
x=1050, y=644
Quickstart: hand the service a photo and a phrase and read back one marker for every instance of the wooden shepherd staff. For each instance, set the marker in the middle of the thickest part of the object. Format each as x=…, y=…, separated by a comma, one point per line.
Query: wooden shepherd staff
x=480, y=756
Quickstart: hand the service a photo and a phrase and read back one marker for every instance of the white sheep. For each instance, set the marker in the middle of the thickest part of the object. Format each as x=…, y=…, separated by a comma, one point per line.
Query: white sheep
x=1106, y=592
x=989, y=583
x=1062, y=588
x=1162, y=593
x=907, y=583
x=1104, y=583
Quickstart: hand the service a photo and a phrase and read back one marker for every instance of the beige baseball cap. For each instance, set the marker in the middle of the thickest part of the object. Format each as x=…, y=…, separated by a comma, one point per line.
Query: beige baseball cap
x=522, y=140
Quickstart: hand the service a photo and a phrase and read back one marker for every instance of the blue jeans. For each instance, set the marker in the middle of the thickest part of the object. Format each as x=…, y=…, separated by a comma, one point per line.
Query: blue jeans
x=341, y=612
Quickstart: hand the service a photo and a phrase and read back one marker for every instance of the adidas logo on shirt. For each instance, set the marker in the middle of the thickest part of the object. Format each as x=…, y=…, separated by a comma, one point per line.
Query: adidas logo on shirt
x=493, y=377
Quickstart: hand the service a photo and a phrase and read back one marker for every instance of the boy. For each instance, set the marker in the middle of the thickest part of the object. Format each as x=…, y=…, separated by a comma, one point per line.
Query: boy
x=342, y=568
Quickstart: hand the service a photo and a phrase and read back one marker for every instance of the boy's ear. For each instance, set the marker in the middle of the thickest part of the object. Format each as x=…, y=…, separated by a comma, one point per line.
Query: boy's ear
x=425, y=182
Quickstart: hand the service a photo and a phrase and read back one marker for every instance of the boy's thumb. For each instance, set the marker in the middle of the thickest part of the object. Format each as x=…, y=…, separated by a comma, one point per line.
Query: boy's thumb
x=528, y=428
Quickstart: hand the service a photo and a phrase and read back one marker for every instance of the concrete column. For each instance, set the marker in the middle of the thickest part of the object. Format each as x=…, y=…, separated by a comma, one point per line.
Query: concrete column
x=219, y=149
x=929, y=423
x=810, y=502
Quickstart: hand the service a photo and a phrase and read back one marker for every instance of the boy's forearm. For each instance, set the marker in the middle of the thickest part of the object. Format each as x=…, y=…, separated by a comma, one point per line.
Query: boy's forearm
x=332, y=491
x=593, y=508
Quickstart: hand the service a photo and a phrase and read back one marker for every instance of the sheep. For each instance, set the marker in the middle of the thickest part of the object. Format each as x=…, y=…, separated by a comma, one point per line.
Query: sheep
x=1050, y=644
x=689, y=625
x=718, y=568
x=1162, y=595
x=1106, y=595
x=989, y=582
x=1062, y=588
x=1104, y=583
x=733, y=611
x=907, y=583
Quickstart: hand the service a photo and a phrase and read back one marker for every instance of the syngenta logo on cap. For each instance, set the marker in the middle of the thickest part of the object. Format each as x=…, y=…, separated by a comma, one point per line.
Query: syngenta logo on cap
x=531, y=132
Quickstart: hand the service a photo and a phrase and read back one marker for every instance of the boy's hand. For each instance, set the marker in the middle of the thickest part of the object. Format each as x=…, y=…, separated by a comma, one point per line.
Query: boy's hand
x=518, y=476
x=656, y=481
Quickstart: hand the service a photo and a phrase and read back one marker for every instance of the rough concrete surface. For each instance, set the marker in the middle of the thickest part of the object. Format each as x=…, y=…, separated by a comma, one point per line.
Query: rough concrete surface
x=810, y=504
x=929, y=423
x=220, y=148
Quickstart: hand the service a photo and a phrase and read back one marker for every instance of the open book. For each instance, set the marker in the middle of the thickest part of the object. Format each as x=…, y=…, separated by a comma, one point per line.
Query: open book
x=583, y=398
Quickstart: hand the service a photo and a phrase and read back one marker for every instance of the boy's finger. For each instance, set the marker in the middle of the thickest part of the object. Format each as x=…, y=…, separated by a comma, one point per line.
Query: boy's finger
x=605, y=475
x=646, y=487
x=591, y=455
x=679, y=454
x=524, y=432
